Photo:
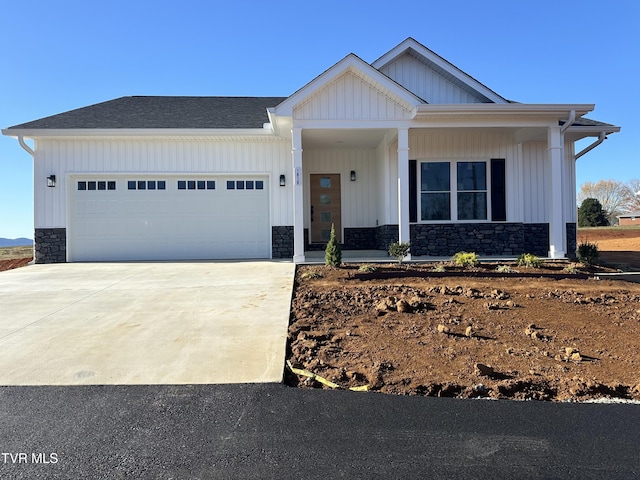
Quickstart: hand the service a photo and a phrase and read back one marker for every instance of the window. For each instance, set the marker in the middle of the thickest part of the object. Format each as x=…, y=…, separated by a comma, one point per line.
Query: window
x=467, y=200
x=131, y=185
x=435, y=191
x=182, y=185
x=162, y=185
x=259, y=185
x=201, y=184
x=472, y=190
x=211, y=184
x=101, y=185
x=231, y=185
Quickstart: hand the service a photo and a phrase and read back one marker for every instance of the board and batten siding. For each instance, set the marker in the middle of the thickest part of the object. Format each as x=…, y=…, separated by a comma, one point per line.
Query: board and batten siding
x=429, y=85
x=359, y=198
x=349, y=97
x=153, y=156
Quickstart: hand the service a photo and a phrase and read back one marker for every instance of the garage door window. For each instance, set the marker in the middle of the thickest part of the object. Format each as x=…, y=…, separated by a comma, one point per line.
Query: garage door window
x=196, y=184
x=146, y=185
x=245, y=185
x=84, y=185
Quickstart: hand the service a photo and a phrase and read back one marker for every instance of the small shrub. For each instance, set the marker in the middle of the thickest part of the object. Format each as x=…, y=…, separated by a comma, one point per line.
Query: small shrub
x=504, y=269
x=399, y=250
x=466, y=259
x=367, y=268
x=529, y=260
x=439, y=268
x=571, y=268
x=333, y=252
x=588, y=253
x=311, y=275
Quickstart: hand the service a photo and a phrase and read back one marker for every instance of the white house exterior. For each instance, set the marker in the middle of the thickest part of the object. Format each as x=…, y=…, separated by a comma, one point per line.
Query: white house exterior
x=407, y=148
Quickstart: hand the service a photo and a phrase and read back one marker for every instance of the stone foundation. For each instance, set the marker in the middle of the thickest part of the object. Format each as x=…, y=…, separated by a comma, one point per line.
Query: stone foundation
x=50, y=245
x=282, y=242
x=572, y=240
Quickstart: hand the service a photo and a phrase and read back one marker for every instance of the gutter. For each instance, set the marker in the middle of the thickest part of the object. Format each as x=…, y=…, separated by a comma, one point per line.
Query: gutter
x=601, y=138
x=26, y=147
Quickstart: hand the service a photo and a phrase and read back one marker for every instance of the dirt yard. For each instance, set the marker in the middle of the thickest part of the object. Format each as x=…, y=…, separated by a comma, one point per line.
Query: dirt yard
x=542, y=334
x=14, y=257
x=618, y=245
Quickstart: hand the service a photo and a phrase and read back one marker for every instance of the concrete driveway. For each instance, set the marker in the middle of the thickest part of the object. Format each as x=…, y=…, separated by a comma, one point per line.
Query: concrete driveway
x=144, y=323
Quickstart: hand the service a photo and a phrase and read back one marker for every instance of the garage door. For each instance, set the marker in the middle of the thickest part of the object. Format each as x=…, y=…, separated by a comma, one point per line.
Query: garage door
x=169, y=218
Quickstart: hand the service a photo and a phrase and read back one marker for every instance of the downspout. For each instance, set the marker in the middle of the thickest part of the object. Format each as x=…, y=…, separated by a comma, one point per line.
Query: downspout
x=569, y=122
x=26, y=147
x=601, y=138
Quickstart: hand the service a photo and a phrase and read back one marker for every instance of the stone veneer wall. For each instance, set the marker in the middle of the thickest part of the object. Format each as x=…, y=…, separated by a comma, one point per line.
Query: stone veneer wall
x=536, y=239
x=50, y=245
x=359, y=238
x=572, y=240
x=385, y=236
x=282, y=241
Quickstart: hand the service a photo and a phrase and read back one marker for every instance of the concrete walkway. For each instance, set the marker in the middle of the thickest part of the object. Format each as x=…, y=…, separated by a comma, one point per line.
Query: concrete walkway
x=144, y=323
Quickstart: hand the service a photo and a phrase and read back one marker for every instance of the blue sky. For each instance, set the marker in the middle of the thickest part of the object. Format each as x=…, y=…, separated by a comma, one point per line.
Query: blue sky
x=67, y=54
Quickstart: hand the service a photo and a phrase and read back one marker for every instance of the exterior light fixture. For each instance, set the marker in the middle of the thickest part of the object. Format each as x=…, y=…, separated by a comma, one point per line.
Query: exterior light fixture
x=51, y=181
x=353, y=175
x=282, y=181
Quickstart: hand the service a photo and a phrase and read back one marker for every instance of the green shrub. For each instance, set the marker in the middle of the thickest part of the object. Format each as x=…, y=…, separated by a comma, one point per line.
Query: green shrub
x=466, y=259
x=399, y=250
x=571, y=268
x=588, y=253
x=529, y=260
x=439, y=268
x=504, y=269
x=367, y=268
x=333, y=252
x=311, y=275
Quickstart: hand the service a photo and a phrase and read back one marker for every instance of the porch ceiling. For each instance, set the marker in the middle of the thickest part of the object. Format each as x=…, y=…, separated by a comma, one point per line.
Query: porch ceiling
x=343, y=138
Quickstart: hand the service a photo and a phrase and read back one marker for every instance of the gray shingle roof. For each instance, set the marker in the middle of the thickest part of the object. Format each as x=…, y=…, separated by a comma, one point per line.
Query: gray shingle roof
x=163, y=112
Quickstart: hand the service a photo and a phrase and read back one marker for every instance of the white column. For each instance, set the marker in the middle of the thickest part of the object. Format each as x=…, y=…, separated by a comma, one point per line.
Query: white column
x=298, y=203
x=557, y=234
x=403, y=187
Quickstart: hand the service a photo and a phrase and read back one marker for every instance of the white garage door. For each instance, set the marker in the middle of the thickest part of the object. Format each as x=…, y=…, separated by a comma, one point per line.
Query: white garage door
x=168, y=218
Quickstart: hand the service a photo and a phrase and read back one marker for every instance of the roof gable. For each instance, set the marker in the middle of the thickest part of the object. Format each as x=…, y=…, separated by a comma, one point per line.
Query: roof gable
x=431, y=77
x=350, y=90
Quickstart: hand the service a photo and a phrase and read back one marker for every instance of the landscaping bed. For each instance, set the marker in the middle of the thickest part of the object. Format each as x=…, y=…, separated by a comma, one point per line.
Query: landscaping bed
x=551, y=333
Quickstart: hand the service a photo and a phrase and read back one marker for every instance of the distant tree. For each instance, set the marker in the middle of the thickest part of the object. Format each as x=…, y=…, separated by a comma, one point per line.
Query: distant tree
x=614, y=196
x=634, y=199
x=591, y=214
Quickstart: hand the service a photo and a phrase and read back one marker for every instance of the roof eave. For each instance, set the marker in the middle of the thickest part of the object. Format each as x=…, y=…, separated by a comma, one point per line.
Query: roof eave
x=136, y=132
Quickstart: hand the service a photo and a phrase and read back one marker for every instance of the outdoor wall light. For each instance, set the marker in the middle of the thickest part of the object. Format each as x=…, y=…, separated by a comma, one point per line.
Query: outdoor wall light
x=353, y=175
x=282, y=181
x=51, y=181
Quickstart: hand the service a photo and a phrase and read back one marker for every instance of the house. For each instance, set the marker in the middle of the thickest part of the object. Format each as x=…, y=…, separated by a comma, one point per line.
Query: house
x=631, y=218
x=406, y=148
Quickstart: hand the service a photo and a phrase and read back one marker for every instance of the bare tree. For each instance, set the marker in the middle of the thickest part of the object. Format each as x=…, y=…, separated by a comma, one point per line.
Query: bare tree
x=614, y=196
x=634, y=189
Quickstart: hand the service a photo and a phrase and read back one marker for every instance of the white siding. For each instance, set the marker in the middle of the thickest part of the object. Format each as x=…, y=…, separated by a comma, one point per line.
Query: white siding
x=155, y=155
x=350, y=97
x=359, y=198
x=569, y=182
x=429, y=85
x=536, y=173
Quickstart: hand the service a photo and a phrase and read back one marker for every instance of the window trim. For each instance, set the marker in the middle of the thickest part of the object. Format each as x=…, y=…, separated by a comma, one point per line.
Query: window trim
x=453, y=189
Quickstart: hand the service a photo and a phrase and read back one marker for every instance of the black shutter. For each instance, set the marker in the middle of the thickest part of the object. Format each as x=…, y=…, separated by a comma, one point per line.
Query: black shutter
x=498, y=190
x=413, y=191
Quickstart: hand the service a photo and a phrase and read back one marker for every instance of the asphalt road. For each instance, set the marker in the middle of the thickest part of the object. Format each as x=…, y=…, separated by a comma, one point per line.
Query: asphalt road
x=272, y=431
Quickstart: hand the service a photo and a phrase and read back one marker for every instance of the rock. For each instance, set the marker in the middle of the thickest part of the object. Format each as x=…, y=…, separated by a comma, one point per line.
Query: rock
x=529, y=331
x=483, y=370
x=469, y=331
x=576, y=357
x=403, y=306
x=570, y=351
x=443, y=329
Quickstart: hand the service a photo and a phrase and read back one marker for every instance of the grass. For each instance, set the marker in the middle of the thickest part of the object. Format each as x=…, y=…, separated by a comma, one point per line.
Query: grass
x=11, y=253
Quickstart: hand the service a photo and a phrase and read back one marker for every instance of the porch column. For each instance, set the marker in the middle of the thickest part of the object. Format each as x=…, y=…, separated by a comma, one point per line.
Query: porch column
x=298, y=204
x=404, y=234
x=557, y=237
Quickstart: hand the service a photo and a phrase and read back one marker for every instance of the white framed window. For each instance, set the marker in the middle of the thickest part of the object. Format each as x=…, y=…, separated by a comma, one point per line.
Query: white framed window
x=454, y=190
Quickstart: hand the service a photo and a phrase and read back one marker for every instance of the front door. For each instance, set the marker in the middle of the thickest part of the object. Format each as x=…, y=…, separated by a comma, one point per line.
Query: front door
x=325, y=207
